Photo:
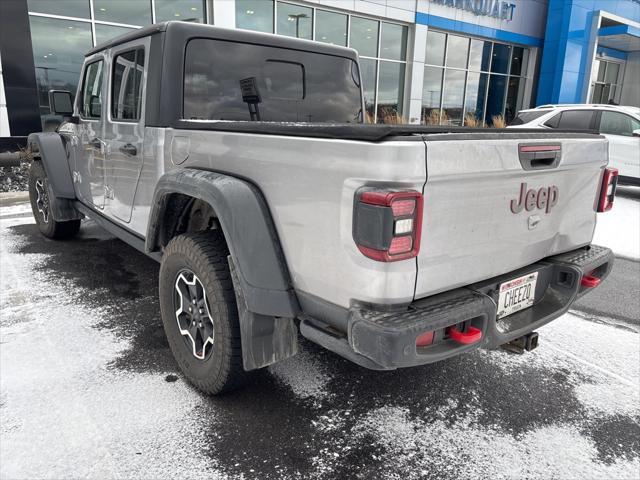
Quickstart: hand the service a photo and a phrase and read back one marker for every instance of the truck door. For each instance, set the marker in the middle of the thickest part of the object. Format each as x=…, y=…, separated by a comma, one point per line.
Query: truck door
x=89, y=173
x=124, y=130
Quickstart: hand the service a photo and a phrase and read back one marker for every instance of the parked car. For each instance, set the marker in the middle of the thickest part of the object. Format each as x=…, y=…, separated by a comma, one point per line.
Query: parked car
x=619, y=124
x=391, y=245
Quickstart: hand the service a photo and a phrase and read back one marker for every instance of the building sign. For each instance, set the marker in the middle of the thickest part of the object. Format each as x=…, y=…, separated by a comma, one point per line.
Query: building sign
x=489, y=8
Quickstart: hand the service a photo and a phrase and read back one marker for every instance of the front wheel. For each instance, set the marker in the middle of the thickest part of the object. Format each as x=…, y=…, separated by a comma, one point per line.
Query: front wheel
x=40, y=195
x=199, y=311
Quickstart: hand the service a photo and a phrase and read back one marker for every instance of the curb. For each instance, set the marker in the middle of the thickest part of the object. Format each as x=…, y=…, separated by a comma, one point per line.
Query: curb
x=13, y=198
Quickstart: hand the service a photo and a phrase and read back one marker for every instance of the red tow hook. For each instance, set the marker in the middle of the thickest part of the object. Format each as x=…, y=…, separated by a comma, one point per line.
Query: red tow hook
x=472, y=335
x=590, y=281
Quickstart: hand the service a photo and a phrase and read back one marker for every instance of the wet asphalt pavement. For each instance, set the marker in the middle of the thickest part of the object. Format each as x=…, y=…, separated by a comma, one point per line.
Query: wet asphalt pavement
x=89, y=388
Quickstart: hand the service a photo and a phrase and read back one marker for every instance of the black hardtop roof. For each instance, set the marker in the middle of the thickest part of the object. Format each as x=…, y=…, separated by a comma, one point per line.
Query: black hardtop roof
x=199, y=30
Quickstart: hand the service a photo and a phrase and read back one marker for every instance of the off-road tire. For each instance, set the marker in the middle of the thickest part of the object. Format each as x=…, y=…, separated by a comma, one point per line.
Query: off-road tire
x=49, y=228
x=204, y=254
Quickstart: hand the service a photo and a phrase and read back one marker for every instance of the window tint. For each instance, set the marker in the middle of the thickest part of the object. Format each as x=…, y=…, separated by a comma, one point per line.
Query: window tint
x=526, y=117
x=500, y=58
x=572, y=120
x=92, y=91
x=614, y=123
x=235, y=81
x=126, y=99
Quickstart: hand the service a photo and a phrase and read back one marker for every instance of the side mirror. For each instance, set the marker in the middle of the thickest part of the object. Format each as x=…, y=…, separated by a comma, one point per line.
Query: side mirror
x=61, y=102
x=636, y=133
x=95, y=106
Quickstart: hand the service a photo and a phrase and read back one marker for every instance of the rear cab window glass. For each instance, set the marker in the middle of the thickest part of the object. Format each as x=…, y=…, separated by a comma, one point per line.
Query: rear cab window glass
x=235, y=81
x=572, y=120
x=615, y=123
x=91, y=101
x=126, y=97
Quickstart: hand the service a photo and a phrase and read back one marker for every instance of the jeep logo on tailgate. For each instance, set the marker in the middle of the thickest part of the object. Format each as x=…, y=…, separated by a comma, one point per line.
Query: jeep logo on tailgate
x=543, y=199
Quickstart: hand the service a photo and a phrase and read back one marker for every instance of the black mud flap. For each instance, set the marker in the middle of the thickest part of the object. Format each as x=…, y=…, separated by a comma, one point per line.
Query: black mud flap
x=265, y=339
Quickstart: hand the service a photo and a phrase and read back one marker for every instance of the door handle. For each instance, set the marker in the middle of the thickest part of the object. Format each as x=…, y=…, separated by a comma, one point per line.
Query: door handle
x=129, y=149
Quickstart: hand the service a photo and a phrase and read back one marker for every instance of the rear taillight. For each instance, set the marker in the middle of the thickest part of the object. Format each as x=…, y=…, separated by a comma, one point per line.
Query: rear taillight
x=608, y=189
x=387, y=224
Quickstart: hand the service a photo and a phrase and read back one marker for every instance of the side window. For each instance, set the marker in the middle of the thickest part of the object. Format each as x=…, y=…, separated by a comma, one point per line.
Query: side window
x=91, y=106
x=572, y=120
x=126, y=99
x=554, y=121
x=614, y=123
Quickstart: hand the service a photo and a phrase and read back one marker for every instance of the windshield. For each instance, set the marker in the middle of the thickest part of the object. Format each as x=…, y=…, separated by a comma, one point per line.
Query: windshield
x=237, y=81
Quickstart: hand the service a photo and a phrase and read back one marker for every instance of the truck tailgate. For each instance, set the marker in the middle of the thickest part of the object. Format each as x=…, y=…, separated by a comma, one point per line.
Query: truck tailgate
x=469, y=231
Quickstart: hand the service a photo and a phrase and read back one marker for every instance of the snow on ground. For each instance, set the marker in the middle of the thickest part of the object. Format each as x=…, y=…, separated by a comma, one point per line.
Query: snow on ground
x=619, y=228
x=64, y=412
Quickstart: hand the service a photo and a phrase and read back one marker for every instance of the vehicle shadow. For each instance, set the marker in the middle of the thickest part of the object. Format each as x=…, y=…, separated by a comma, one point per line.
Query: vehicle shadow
x=315, y=414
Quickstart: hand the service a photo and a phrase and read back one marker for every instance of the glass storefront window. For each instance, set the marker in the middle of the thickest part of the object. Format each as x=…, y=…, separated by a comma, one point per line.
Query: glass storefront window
x=431, y=94
x=255, y=15
x=393, y=41
x=130, y=12
x=457, y=51
x=479, y=55
x=184, y=10
x=66, y=8
x=495, y=97
x=435, y=48
x=474, y=99
x=368, y=74
x=295, y=21
x=612, y=73
x=500, y=58
x=331, y=28
x=515, y=96
x=452, y=97
x=390, y=92
x=107, y=32
x=57, y=63
x=519, y=61
x=364, y=36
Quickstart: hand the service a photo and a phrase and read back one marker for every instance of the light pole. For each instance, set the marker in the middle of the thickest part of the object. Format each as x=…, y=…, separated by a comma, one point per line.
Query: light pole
x=296, y=18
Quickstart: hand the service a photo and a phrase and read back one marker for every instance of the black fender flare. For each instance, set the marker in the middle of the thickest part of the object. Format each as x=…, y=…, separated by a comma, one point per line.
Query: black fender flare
x=248, y=228
x=54, y=158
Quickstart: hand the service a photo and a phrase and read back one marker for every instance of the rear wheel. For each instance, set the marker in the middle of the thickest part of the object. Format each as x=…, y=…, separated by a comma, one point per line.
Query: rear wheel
x=199, y=311
x=40, y=195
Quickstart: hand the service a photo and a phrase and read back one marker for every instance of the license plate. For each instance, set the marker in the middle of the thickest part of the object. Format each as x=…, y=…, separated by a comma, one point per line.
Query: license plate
x=517, y=294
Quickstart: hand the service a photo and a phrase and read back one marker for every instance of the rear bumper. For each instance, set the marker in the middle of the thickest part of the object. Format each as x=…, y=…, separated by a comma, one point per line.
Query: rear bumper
x=387, y=340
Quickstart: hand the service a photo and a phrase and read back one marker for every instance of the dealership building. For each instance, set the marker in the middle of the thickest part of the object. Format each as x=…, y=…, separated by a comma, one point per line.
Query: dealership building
x=454, y=62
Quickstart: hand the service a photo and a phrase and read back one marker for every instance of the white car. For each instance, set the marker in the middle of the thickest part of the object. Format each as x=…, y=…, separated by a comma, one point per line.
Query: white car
x=621, y=126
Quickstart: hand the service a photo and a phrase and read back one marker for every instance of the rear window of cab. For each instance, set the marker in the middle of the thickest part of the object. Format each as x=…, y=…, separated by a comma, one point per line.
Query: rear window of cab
x=237, y=81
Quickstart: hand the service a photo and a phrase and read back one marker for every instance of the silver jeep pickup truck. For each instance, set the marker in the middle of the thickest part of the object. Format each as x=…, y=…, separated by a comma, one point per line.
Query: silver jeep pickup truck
x=241, y=162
